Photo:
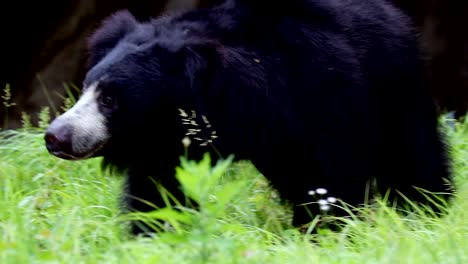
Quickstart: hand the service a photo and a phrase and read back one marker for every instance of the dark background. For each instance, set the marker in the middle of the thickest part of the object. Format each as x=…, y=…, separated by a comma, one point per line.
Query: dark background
x=42, y=46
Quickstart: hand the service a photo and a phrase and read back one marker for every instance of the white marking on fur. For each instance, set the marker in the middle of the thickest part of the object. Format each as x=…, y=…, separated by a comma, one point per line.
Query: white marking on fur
x=89, y=130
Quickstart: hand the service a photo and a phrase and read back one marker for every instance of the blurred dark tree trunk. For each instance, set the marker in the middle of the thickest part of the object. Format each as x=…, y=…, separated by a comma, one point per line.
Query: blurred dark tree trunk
x=444, y=35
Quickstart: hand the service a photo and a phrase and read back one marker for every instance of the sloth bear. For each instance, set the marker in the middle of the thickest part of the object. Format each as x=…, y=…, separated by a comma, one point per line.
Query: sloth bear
x=315, y=93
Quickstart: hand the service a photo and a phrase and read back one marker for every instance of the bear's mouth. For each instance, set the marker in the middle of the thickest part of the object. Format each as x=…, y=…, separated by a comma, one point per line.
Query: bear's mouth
x=78, y=156
x=66, y=156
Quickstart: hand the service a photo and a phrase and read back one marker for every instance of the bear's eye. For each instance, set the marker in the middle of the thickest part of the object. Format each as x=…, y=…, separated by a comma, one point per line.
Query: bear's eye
x=107, y=101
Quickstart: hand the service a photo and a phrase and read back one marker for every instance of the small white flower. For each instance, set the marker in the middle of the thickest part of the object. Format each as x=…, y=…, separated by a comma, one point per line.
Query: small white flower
x=321, y=191
x=186, y=142
x=311, y=192
x=331, y=199
x=324, y=207
x=322, y=202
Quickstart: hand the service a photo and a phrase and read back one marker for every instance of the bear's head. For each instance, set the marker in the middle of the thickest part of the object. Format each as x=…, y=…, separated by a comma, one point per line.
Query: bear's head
x=139, y=74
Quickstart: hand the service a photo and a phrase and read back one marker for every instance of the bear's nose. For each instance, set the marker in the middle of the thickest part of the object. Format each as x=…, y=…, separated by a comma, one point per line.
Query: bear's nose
x=58, y=139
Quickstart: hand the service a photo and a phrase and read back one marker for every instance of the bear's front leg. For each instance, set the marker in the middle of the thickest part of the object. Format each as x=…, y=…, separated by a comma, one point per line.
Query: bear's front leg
x=142, y=194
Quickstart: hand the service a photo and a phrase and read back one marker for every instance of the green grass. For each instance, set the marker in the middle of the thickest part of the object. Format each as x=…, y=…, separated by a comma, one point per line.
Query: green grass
x=56, y=211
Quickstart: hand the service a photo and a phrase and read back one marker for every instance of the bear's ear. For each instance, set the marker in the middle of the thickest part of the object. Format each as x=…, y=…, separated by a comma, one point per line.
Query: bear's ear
x=111, y=31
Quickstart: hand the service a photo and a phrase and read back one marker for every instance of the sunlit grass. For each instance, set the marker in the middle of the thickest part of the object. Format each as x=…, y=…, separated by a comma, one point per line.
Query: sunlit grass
x=68, y=212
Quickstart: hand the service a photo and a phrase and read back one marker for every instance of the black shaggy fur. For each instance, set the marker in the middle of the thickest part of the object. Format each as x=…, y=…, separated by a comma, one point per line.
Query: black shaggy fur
x=316, y=93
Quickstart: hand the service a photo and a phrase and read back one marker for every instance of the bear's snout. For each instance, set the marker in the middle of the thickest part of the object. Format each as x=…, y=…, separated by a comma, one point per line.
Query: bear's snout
x=58, y=139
